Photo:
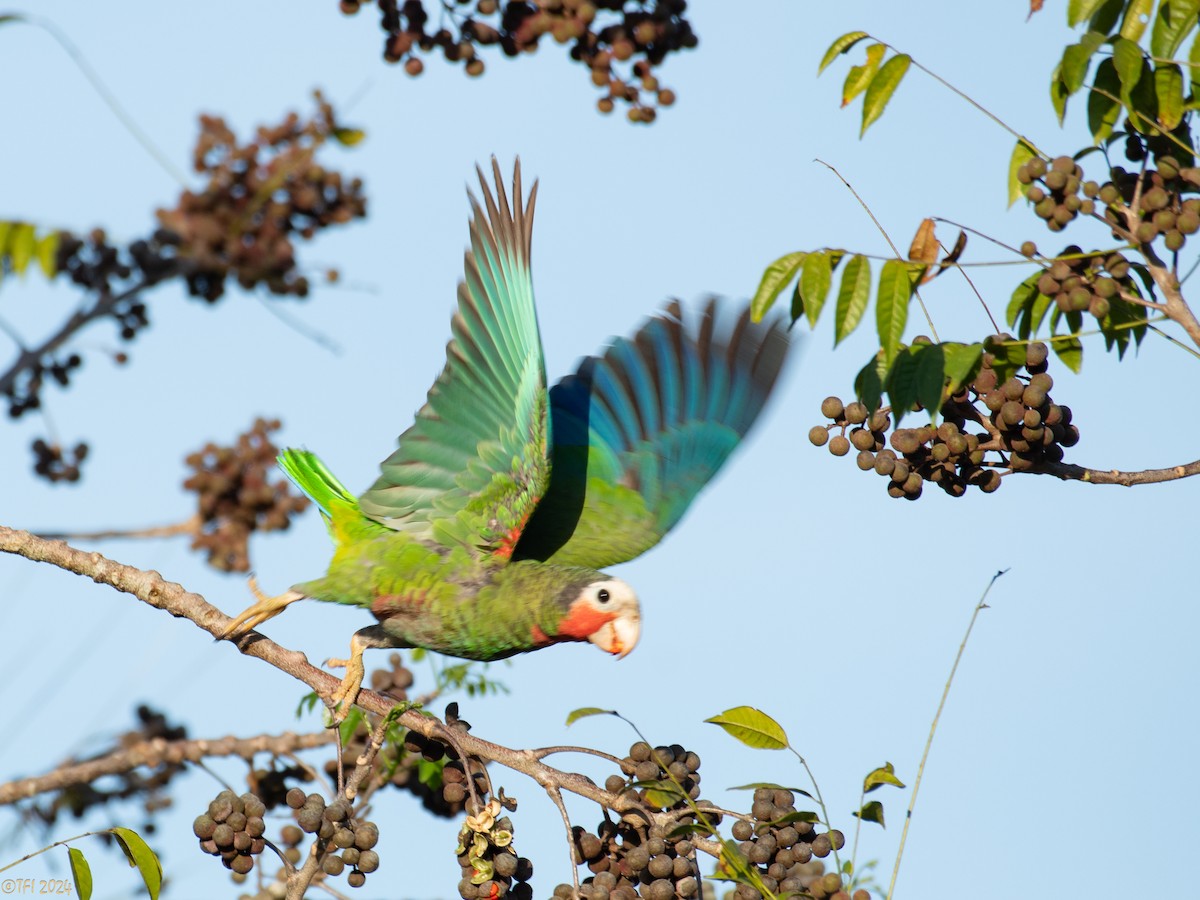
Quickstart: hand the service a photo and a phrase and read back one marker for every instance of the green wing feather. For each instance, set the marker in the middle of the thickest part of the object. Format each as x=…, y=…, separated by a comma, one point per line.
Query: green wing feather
x=473, y=466
x=639, y=431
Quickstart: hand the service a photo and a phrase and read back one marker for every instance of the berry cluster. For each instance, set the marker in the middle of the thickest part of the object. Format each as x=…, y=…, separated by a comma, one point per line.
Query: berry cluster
x=1079, y=282
x=342, y=842
x=236, y=497
x=271, y=785
x=108, y=273
x=1054, y=190
x=259, y=197
x=780, y=844
x=631, y=857
x=233, y=829
x=490, y=867
x=1161, y=207
x=56, y=463
x=1023, y=430
x=1029, y=426
x=620, y=41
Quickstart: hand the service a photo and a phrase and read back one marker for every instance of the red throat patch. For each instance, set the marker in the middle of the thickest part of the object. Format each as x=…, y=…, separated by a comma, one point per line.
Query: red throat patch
x=582, y=621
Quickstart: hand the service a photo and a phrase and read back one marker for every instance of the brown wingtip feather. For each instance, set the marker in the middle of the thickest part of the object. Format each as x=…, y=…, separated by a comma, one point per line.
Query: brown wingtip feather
x=502, y=223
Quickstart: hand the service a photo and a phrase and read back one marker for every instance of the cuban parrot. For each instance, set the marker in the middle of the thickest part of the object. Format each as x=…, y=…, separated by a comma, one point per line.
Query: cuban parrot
x=485, y=532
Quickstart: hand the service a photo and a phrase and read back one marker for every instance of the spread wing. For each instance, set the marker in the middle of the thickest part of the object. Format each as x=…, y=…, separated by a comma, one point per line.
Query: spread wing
x=472, y=467
x=639, y=431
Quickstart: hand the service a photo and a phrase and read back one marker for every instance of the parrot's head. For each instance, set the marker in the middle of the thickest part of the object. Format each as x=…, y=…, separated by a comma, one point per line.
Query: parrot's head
x=606, y=613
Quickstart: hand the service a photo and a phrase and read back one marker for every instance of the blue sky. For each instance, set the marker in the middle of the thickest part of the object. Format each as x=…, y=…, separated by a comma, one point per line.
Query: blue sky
x=794, y=584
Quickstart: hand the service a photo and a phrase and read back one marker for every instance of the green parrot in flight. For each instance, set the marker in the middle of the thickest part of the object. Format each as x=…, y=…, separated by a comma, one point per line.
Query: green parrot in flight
x=484, y=534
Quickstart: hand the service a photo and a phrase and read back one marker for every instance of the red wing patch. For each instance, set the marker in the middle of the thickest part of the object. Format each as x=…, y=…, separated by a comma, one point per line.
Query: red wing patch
x=508, y=543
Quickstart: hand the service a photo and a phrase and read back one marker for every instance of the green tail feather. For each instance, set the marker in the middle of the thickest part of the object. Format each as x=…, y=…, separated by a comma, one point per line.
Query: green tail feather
x=321, y=486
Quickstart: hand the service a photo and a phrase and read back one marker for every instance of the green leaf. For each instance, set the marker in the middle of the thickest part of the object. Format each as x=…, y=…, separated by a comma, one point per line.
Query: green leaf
x=860, y=76
x=841, y=45
x=350, y=724
x=868, y=384
x=1058, y=94
x=770, y=785
x=1080, y=10
x=1027, y=307
x=1021, y=154
x=584, y=711
x=871, y=812
x=885, y=774
x=1194, y=64
x=1077, y=58
x=663, y=794
x=931, y=363
x=752, y=727
x=774, y=280
x=901, y=383
x=891, y=306
x=81, y=872
x=47, y=253
x=1006, y=357
x=1069, y=349
x=852, y=297
x=1127, y=57
x=881, y=88
x=799, y=815
x=816, y=276
x=1137, y=17
x=1168, y=88
x=1175, y=20
x=142, y=857
x=22, y=242
x=962, y=364
x=349, y=137
x=1106, y=15
x=1103, y=109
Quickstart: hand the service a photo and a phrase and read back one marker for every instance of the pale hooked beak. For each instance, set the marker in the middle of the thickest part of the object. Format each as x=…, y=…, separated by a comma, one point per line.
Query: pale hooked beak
x=618, y=636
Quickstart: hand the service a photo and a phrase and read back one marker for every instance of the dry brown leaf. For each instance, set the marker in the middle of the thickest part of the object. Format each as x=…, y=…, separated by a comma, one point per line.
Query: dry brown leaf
x=951, y=258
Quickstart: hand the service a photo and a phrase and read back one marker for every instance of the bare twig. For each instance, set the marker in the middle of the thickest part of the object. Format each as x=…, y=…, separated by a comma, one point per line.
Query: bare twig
x=191, y=525
x=154, y=753
x=1069, y=472
x=886, y=237
x=979, y=607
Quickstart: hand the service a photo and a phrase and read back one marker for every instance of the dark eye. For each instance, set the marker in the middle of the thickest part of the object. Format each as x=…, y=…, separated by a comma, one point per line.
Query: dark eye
x=602, y=595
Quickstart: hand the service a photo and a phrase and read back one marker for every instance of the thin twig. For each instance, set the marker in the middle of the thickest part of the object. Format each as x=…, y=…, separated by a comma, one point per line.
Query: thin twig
x=886, y=237
x=188, y=526
x=980, y=606
x=983, y=109
x=543, y=752
x=106, y=95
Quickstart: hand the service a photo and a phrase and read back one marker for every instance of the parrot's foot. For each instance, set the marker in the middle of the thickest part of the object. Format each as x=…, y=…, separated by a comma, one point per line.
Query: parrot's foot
x=346, y=693
x=265, y=608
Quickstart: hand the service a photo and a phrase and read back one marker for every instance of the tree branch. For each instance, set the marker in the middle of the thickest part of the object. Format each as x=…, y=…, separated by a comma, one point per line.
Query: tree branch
x=1069, y=472
x=151, y=588
x=192, y=525
x=155, y=753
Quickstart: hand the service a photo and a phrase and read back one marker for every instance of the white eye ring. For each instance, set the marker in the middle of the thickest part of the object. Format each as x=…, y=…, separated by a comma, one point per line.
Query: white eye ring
x=602, y=595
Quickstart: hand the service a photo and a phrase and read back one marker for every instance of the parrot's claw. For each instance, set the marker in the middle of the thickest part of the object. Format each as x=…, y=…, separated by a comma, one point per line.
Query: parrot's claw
x=347, y=692
x=263, y=609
